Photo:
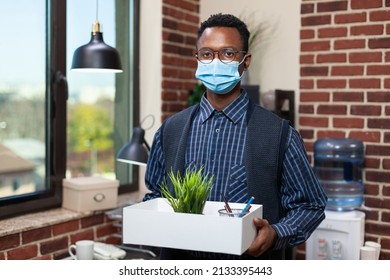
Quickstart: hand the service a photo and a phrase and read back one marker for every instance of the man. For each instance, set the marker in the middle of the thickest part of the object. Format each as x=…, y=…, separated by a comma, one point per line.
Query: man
x=249, y=150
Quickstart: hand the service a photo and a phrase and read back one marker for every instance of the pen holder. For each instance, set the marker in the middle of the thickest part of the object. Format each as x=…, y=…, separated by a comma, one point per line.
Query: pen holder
x=235, y=213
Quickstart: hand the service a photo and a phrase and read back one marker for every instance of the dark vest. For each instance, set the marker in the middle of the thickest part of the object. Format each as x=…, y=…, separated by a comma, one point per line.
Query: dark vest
x=263, y=156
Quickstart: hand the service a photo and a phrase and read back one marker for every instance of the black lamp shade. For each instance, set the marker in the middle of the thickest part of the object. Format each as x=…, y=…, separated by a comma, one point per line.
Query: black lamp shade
x=96, y=56
x=137, y=151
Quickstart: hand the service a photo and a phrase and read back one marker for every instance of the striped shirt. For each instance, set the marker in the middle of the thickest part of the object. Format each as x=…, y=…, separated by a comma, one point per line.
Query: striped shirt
x=216, y=141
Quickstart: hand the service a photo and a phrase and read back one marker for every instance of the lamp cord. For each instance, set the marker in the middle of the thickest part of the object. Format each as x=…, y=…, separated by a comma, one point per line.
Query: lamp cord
x=144, y=119
x=97, y=9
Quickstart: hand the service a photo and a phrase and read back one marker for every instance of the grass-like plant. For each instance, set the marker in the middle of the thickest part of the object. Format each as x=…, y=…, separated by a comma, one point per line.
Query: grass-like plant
x=190, y=191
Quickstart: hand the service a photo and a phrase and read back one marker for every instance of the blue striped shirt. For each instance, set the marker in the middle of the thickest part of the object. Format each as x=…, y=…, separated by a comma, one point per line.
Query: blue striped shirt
x=216, y=141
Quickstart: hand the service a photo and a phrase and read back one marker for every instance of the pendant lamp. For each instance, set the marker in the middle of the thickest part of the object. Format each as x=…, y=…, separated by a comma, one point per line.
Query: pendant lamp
x=96, y=56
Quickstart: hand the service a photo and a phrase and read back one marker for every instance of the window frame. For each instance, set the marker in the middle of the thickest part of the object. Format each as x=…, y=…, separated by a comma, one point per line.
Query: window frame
x=55, y=124
x=56, y=110
x=128, y=104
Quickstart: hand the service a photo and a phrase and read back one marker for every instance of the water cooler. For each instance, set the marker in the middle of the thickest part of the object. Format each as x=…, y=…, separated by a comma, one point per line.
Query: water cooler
x=338, y=165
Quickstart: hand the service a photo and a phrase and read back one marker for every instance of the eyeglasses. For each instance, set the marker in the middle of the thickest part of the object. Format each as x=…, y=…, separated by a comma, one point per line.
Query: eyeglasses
x=225, y=55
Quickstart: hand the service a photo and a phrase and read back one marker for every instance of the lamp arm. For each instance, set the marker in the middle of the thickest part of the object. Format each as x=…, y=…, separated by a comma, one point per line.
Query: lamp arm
x=147, y=145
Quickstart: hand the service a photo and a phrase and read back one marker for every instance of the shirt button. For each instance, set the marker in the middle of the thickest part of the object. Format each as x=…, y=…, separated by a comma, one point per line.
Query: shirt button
x=217, y=130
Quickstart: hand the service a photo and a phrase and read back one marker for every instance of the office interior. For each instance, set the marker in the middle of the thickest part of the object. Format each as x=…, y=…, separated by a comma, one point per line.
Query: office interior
x=328, y=59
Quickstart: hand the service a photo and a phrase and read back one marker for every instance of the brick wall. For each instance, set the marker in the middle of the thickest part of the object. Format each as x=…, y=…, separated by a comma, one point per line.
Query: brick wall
x=345, y=91
x=52, y=242
x=180, y=22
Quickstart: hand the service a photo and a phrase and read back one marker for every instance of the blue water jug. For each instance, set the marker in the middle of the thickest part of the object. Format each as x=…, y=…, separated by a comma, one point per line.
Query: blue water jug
x=338, y=164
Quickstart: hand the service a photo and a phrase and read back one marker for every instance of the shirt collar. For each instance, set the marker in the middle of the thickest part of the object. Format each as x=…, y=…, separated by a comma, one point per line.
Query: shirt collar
x=234, y=111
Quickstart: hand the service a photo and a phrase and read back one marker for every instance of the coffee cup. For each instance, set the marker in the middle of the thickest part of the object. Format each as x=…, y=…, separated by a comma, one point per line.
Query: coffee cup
x=367, y=253
x=82, y=250
x=374, y=245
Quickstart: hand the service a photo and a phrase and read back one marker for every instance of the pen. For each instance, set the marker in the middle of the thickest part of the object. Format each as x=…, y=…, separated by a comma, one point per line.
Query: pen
x=229, y=212
x=227, y=207
x=248, y=204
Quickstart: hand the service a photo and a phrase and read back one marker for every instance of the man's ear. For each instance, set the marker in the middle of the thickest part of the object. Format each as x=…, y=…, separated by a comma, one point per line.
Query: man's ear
x=247, y=61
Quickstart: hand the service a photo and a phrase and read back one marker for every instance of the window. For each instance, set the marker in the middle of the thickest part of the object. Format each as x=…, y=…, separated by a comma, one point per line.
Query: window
x=45, y=109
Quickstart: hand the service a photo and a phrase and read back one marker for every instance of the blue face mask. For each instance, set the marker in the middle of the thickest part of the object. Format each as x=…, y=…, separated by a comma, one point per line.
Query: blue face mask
x=217, y=76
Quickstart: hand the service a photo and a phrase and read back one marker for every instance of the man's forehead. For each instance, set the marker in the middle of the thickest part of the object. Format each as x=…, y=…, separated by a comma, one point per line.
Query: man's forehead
x=220, y=36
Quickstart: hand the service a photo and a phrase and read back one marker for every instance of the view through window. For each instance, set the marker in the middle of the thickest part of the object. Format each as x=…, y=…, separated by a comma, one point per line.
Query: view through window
x=35, y=113
x=22, y=97
x=91, y=98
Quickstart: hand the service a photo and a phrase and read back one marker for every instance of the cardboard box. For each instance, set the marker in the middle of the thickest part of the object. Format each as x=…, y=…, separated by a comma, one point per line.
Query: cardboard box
x=155, y=223
x=85, y=194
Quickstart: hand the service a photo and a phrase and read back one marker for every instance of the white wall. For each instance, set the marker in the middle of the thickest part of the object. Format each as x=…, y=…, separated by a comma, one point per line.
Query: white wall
x=150, y=69
x=275, y=63
x=150, y=62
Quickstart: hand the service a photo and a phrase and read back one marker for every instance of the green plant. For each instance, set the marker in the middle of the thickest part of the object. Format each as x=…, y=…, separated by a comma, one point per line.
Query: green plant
x=195, y=95
x=190, y=191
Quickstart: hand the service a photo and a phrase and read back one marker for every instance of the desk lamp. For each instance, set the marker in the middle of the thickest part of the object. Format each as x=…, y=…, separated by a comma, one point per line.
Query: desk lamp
x=137, y=150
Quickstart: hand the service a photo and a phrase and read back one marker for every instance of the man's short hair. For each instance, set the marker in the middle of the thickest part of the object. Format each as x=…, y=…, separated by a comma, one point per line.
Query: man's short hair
x=226, y=20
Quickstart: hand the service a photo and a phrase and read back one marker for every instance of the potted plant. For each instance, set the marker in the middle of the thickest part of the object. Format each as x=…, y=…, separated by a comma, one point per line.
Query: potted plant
x=190, y=191
x=195, y=95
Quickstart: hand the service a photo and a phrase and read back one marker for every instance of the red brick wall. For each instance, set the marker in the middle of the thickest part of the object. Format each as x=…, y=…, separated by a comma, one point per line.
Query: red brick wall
x=345, y=91
x=180, y=22
x=52, y=242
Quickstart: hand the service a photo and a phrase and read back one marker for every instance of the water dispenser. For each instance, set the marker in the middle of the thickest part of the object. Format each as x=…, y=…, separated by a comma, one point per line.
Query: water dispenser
x=338, y=237
x=338, y=164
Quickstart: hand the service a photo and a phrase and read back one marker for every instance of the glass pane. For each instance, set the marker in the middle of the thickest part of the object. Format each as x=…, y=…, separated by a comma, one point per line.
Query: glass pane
x=91, y=95
x=22, y=97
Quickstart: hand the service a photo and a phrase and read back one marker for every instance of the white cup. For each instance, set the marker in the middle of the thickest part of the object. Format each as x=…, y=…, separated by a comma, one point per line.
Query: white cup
x=367, y=253
x=83, y=250
x=374, y=245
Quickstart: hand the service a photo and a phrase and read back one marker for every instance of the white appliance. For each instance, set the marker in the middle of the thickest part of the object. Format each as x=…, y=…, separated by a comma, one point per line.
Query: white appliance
x=338, y=237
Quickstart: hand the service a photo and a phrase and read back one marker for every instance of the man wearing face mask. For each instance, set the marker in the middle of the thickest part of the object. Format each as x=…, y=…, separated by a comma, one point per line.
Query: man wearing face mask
x=249, y=150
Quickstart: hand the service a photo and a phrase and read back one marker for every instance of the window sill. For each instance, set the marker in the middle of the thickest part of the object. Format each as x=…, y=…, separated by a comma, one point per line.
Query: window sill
x=53, y=216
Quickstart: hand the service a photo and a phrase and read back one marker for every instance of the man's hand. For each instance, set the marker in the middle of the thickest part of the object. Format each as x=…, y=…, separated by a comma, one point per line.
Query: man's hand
x=266, y=238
